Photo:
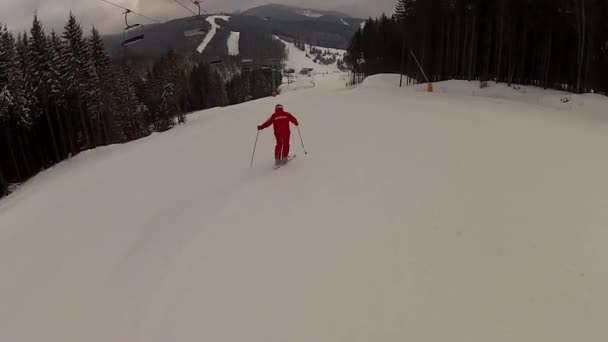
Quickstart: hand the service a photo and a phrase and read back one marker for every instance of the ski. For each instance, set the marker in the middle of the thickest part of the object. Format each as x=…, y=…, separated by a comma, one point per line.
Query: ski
x=290, y=158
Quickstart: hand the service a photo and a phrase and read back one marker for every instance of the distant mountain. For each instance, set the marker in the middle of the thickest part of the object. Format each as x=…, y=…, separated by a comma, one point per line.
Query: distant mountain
x=321, y=28
x=292, y=13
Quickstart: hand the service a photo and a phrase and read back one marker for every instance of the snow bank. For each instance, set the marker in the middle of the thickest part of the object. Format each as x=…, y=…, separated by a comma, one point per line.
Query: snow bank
x=212, y=31
x=553, y=99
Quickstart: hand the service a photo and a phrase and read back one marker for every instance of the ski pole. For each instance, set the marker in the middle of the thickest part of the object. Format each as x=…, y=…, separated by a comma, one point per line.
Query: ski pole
x=302, y=141
x=254, y=147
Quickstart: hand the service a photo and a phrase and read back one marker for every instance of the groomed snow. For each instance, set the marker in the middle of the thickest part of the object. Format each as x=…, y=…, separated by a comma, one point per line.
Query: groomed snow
x=415, y=217
x=233, y=43
x=212, y=31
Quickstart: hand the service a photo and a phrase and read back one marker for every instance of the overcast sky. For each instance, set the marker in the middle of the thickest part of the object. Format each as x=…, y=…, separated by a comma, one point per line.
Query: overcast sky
x=17, y=14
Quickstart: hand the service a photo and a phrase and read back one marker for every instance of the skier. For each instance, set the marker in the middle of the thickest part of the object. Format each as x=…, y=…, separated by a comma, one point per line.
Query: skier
x=280, y=120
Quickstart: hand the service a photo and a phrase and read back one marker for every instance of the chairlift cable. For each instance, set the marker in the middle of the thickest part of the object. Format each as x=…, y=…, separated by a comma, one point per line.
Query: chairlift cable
x=184, y=6
x=131, y=11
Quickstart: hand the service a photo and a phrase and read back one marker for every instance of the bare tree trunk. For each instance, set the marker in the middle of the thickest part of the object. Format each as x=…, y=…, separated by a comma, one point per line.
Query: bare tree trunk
x=24, y=155
x=3, y=184
x=524, y=53
x=64, y=146
x=9, y=143
x=52, y=132
x=83, y=122
x=464, y=50
x=473, y=44
x=585, y=76
x=456, y=47
x=548, y=59
x=510, y=71
x=581, y=26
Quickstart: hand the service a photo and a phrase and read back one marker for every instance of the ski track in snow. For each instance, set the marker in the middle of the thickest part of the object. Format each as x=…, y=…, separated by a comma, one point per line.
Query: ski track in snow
x=212, y=31
x=233, y=43
x=464, y=215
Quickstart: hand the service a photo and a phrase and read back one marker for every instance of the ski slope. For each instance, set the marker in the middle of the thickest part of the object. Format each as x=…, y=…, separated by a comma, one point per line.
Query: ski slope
x=233, y=43
x=212, y=31
x=297, y=59
x=421, y=217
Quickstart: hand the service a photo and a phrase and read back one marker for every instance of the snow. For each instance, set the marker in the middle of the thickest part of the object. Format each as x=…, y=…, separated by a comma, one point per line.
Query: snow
x=310, y=13
x=362, y=25
x=415, y=217
x=212, y=31
x=340, y=52
x=233, y=43
x=297, y=60
x=344, y=22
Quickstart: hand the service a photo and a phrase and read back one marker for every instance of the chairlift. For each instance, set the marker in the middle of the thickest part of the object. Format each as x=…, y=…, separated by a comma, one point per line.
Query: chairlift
x=132, y=33
x=197, y=31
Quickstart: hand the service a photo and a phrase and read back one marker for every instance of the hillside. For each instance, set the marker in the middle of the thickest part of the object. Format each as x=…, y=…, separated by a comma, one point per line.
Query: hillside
x=293, y=13
x=326, y=31
x=453, y=216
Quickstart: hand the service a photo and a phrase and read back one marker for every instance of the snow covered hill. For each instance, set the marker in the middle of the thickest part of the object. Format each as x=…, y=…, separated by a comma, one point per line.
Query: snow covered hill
x=214, y=26
x=450, y=216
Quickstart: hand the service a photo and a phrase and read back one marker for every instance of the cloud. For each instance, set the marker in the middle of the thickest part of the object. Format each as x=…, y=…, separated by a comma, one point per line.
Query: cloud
x=18, y=14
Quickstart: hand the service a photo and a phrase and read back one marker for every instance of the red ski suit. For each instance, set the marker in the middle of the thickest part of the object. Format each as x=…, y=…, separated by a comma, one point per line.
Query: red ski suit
x=280, y=120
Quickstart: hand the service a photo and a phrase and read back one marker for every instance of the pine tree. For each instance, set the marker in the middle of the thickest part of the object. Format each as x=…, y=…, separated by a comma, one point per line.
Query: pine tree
x=39, y=61
x=100, y=64
x=6, y=49
x=125, y=123
x=7, y=95
x=167, y=110
x=75, y=60
x=57, y=93
x=26, y=102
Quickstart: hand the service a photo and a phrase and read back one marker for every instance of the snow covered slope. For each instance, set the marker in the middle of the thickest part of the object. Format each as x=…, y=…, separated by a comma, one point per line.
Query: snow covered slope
x=414, y=217
x=233, y=43
x=212, y=31
x=298, y=59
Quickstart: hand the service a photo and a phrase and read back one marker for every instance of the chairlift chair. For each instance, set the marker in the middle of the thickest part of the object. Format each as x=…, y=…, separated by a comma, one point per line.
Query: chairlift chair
x=194, y=32
x=132, y=33
x=197, y=31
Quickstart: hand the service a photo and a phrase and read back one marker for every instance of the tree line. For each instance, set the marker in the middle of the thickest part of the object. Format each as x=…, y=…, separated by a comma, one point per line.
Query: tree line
x=560, y=44
x=61, y=94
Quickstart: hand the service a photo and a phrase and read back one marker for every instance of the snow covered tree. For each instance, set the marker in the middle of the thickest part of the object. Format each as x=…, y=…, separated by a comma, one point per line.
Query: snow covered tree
x=26, y=100
x=168, y=108
x=125, y=122
x=58, y=95
x=7, y=103
x=39, y=61
x=100, y=66
x=75, y=60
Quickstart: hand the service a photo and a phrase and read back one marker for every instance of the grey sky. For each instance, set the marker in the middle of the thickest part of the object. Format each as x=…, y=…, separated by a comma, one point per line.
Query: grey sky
x=17, y=14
